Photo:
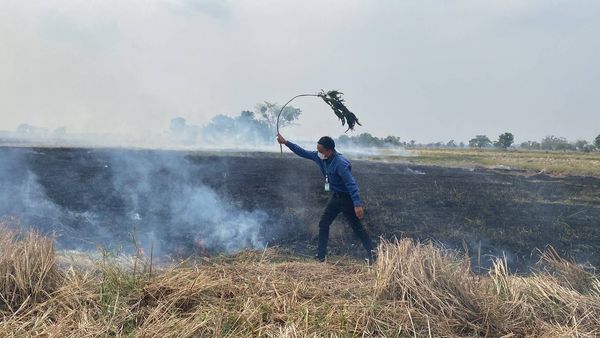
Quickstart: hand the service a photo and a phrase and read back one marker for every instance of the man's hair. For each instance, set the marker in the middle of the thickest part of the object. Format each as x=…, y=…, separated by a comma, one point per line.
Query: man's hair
x=327, y=142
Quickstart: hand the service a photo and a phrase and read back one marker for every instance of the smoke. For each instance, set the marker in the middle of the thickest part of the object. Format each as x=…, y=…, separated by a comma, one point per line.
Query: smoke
x=91, y=197
x=388, y=153
x=164, y=193
x=248, y=131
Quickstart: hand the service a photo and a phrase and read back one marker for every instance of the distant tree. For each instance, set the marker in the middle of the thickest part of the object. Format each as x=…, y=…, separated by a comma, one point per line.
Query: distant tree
x=392, y=141
x=461, y=144
x=588, y=148
x=565, y=146
x=242, y=129
x=222, y=123
x=182, y=132
x=581, y=145
x=247, y=115
x=555, y=143
x=250, y=129
x=531, y=145
x=344, y=139
x=597, y=142
x=480, y=141
x=177, y=124
x=368, y=140
x=505, y=140
x=268, y=111
x=451, y=144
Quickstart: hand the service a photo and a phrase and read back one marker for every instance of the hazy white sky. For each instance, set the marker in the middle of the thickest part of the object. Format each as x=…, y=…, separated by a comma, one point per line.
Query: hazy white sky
x=423, y=70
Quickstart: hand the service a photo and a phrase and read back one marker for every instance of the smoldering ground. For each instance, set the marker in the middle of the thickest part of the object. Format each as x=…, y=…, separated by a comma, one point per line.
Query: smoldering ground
x=184, y=202
x=123, y=198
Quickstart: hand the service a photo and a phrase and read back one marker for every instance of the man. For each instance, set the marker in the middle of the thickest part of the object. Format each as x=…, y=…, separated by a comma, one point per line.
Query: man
x=338, y=178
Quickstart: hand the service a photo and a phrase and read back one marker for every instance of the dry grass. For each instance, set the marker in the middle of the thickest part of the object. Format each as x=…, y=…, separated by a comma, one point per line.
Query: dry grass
x=414, y=290
x=549, y=162
x=28, y=272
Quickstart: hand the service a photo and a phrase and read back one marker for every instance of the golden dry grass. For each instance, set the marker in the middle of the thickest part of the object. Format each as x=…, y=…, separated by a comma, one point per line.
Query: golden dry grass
x=550, y=162
x=414, y=290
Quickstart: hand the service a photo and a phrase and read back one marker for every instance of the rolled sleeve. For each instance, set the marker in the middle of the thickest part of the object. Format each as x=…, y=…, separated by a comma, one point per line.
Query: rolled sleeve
x=296, y=149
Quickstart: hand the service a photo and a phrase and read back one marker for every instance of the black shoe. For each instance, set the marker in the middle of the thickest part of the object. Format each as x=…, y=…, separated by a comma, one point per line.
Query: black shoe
x=320, y=259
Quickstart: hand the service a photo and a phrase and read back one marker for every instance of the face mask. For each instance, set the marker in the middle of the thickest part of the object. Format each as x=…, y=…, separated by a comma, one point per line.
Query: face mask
x=321, y=156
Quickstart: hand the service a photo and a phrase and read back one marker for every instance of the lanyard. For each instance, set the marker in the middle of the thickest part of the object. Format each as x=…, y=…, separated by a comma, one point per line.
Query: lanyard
x=328, y=166
x=327, y=174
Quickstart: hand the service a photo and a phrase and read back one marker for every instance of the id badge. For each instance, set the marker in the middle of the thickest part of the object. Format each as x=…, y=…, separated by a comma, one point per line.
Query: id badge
x=326, y=183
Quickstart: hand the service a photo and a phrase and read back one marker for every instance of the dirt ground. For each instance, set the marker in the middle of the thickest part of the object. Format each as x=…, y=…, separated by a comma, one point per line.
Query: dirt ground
x=487, y=212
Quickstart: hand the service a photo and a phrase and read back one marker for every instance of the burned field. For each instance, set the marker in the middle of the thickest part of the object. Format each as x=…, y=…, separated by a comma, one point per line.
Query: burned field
x=205, y=203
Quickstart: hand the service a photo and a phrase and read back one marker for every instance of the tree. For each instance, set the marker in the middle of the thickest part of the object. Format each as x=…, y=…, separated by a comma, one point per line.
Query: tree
x=344, y=139
x=249, y=127
x=178, y=124
x=368, y=140
x=505, y=140
x=533, y=145
x=581, y=145
x=182, y=132
x=392, y=141
x=480, y=141
x=555, y=143
x=597, y=142
x=268, y=111
x=451, y=144
x=242, y=129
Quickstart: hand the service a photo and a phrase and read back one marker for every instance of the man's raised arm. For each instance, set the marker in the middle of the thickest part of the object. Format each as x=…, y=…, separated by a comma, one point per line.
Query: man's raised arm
x=296, y=149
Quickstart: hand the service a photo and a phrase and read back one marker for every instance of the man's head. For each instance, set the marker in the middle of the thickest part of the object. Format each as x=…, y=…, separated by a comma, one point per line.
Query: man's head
x=326, y=146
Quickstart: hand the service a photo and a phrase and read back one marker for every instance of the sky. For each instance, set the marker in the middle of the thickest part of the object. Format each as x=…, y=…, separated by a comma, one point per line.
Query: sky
x=419, y=69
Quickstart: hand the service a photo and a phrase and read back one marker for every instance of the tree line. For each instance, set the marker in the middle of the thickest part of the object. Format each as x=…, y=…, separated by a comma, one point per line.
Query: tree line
x=550, y=142
x=504, y=141
x=259, y=126
x=251, y=127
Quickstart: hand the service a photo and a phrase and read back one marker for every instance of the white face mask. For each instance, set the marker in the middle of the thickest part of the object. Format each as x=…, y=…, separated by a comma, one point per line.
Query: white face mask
x=321, y=156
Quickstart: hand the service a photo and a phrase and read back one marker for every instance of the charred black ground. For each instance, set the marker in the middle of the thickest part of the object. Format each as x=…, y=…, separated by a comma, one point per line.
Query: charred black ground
x=492, y=213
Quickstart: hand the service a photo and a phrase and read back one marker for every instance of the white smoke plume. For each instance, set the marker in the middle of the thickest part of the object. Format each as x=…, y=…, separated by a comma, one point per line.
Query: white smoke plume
x=98, y=197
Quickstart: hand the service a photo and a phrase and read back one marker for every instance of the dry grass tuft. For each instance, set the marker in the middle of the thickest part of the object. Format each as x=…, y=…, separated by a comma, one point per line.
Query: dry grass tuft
x=414, y=290
x=28, y=271
x=433, y=285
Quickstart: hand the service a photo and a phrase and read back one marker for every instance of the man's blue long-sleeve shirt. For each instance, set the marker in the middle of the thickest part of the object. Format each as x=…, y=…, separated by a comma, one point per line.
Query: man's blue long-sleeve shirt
x=337, y=169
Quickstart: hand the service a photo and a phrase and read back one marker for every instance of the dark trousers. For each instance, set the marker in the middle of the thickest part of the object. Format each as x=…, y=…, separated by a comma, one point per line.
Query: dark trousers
x=341, y=202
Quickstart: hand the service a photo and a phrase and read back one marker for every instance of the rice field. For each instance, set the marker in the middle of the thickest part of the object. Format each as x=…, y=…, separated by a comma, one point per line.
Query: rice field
x=557, y=163
x=414, y=290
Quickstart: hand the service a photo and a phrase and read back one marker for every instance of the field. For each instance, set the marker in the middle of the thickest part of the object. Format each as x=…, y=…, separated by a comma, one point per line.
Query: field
x=550, y=162
x=415, y=290
x=467, y=247
x=99, y=196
